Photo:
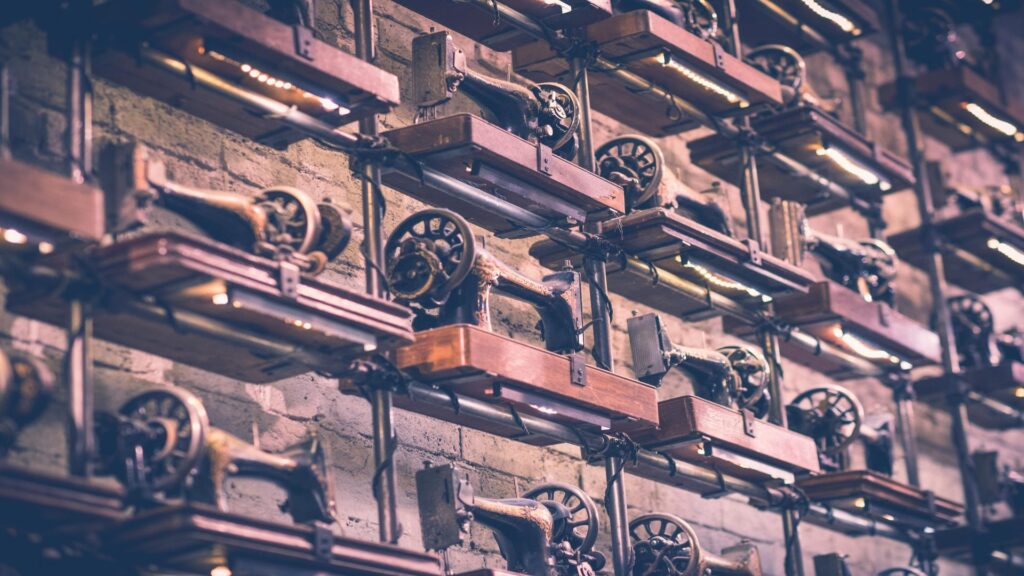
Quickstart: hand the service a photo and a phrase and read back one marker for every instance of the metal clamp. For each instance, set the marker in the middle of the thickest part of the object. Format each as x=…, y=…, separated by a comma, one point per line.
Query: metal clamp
x=323, y=542
x=577, y=369
x=544, y=155
x=303, y=41
x=748, y=422
x=753, y=251
x=718, y=54
x=288, y=279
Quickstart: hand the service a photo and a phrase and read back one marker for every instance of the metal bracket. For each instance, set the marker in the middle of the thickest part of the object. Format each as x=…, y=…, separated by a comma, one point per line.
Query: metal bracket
x=884, y=314
x=718, y=53
x=753, y=251
x=544, y=155
x=748, y=423
x=577, y=369
x=288, y=278
x=303, y=41
x=323, y=542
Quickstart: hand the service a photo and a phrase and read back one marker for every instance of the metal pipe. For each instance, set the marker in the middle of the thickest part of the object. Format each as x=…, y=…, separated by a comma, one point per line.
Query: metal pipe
x=903, y=395
x=997, y=407
x=851, y=58
x=5, y=112
x=936, y=273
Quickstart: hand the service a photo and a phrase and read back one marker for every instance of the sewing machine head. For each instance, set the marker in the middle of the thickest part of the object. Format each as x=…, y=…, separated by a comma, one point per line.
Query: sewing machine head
x=26, y=388
x=636, y=163
x=550, y=531
x=697, y=16
x=974, y=332
x=279, y=222
x=789, y=68
x=932, y=39
x=547, y=112
x=434, y=265
x=998, y=483
x=832, y=416
x=868, y=267
x=160, y=445
x=666, y=545
x=731, y=376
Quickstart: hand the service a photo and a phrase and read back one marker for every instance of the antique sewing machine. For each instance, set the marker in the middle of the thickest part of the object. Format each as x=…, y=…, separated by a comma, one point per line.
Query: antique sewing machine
x=687, y=236
x=723, y=424
x=26, y=389
x=437, y=267
x=808, y=26
x=835, y=565
x=161, y=447
x=549, y=531
x=214, y=59
x=851, y=307
x=240, y=299
x=676, y=46
x=833, y=417
x=981, y=235
x=998, y=483
x=806, y=128
x=523, y=152
x=666, y=545
x=992, y=365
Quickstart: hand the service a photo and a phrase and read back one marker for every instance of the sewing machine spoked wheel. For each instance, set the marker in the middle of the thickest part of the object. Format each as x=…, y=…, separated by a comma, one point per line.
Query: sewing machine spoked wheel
x=703, y=19
x=293, y=218
x=753, y=373
x=575, y=514
x=560, y=110
x=26, y=387
x=634, y=162
x=971, y=311
x=782, y=63
x=667, y=540
x=178, y=425
x=428, y=255
x=336, y=230
x=902, y=571
x=834, y=417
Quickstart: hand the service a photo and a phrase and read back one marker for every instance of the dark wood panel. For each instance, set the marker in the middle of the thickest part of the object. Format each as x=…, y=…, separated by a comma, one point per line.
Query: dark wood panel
x=1003, y=535
x=858, y=491
x=57, y=505
x=784, y=22
x=47, y=203
x=1002, y=383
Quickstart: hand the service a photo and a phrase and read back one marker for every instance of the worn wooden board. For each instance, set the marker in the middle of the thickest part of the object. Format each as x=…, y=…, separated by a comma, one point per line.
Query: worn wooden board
x=181, y=27
x=57, y=505
x=500, y=163
x=792, y=23
x=877, y=493
x=1002, y=535
x=482, y=364
x=36, y=201
x=635, y=40
x=689, y=419
x=172, y=275
x=969, y=261
x=799, y=133
x=482, y=25
x=196, y=539
x=1000, y=383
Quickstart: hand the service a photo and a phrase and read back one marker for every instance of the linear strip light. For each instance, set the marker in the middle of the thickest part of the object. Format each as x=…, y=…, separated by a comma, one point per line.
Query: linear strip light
x=562, y=5
x=853, y=167
x=1008, y=250
x=997, y=124
x=844, y=23
x=867, y=351
x=703, y=81
x=719, y=281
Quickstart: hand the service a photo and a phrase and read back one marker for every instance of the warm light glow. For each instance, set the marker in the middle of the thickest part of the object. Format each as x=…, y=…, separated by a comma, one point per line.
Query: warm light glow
x=1008, y=250
x=562, y=5
x=888, y=517
x=221, y=299
x=12, y=236
x=45, y=248
x=865, y=350
x=703, y=81
x=860, y=503
x=221, y=571
x=544, y=409
x=997, y=124
x=1019, y=392
x=369, y=347
x=719, y=281
x=844, y=23
x=846, y=163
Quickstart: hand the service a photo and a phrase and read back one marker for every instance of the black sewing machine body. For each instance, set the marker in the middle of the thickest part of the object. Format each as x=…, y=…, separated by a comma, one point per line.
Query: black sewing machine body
x=834, y=418
x=666, y=545
x=868, y=267
x=977, y=342
x=435, y=266
x=161, y=446
x=998, y=482
x=26, y=389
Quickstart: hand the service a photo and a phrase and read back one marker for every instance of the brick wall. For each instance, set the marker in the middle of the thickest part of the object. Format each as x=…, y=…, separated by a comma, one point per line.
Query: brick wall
x=200, y=154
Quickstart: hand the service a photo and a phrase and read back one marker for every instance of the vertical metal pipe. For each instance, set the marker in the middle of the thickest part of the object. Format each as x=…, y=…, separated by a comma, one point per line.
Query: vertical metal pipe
x=903, y=395
x=936, y=273
x=5, y=112
x=851, y=57
x=618, y=524
x=373, y=247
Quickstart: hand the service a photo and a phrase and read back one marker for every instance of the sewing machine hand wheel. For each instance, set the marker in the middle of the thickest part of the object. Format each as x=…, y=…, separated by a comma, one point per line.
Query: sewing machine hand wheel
x=753, y=378
x=834, y=417
x=428, y=255
x=575, y=513
x=972, y=313
x=336, y=230
x=703, y=19
x=669, y=541
x=293, y=218
x=560, y=111
x=782, y=63
x=634, y=162
x=178, y=420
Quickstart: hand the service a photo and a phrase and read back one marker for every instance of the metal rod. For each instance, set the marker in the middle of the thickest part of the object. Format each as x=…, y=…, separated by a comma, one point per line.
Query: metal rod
x=903, y=395
x=851, y=57
x=936, y=273
x=1001, y=408
x=5, y=112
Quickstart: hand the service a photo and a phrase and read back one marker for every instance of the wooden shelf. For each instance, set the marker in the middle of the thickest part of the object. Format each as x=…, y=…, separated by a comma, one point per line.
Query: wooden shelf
x=637, y=41
x=197, y=539
x=1000, y=383
x=48, y=206
x=1002, y=535
x=500, y=163
x=969, y=260
x=481, y=25
x=830, y=309
x=198, y=30
x=944, y=93
x=792, y=23
x=881, y=498
x=666, y=239
x=699, y=431
x=57, y=506
x=173, y=275
x=800, y=133
x=488, y=366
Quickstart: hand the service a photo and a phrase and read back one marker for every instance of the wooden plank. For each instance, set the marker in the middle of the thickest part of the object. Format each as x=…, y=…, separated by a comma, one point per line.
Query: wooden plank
x=783, y=22
x=57, y=505
x=1003, y=535
x=1001, y=383
x=40, y=201
x=468, y=148
x=853, y=484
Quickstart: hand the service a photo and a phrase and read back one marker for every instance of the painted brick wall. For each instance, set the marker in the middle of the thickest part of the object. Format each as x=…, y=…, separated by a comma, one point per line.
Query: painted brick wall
x=200, y=154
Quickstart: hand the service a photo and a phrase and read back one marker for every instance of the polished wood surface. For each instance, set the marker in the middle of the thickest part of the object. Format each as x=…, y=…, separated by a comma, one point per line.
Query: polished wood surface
x=783, y=22
x=34, y=199
x=468, y=147
x=848, y=489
